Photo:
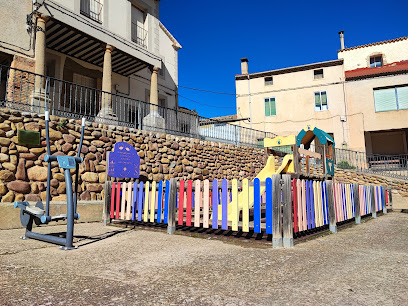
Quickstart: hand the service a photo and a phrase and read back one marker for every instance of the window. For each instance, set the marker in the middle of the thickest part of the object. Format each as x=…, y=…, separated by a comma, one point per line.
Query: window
x=318, y=74
x=268, y=80
x=376, y=61
x=270, y=107
x=138, y=32
x=92, y=9
x=391, y=99
x=320, y=101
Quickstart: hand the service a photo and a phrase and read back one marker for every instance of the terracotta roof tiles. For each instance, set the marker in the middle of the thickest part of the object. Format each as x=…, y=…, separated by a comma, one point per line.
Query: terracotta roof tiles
x=363, y=73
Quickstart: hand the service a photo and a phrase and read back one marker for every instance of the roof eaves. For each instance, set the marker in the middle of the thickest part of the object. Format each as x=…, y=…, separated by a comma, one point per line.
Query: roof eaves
x=176, y=44
x=375, y=75
x=375, y=44
x=290, y=69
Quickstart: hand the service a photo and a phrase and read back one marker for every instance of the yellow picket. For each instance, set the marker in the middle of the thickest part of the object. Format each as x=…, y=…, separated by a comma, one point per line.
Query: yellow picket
x=245, y=206
x=153, y=201
x=146, y=204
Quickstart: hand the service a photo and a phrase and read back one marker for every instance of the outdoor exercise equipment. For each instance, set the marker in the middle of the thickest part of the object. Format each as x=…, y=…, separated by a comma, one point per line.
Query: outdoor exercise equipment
x=37, y=214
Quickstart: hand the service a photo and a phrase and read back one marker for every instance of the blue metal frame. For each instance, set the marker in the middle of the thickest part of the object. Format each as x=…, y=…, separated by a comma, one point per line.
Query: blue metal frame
x=28, y=216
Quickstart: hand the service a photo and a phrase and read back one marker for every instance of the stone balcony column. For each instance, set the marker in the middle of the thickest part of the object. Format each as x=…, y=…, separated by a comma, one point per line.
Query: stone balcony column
x=154, y=95
x=106, y=111
x=153, y=121
x=39, y=98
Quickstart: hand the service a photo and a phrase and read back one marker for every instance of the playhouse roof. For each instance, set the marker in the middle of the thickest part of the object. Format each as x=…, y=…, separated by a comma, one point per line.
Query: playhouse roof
x=309, y=133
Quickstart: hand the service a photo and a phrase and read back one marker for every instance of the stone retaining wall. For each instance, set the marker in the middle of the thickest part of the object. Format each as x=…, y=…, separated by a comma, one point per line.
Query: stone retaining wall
x=23, y=172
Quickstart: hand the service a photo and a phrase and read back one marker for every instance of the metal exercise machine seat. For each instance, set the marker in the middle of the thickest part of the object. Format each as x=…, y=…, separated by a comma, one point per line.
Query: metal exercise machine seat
x=37, y=214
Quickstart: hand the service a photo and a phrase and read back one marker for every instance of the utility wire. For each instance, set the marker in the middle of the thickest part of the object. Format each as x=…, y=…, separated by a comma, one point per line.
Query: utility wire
x=209, y=91
x=310, y=119
x=225, y=107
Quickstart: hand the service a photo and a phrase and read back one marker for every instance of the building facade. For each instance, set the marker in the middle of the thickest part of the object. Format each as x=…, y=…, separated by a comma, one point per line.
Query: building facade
x=377, y=96
x=359, y=99
x=114, y=52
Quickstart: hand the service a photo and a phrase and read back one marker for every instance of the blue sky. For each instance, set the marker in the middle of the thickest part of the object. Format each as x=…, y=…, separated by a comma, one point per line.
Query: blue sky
x=272, y=34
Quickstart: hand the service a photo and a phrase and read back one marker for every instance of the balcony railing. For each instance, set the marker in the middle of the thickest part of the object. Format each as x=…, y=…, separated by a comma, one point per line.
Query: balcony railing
x=139, y=35
x=29, y=92
x=92, y=9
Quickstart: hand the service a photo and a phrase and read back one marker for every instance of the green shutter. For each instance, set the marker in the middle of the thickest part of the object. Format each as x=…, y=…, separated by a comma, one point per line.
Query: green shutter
x=317, y=100
x=267, y=108
x=273, y=107
x=385, y=100
x=324, y=98
x=402, y=94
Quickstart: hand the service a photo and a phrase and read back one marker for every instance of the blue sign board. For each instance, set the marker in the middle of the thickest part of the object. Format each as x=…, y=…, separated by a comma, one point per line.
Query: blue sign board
x=124, y=161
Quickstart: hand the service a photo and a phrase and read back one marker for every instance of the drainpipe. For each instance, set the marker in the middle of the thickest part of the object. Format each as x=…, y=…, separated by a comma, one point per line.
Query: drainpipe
x=244, y=70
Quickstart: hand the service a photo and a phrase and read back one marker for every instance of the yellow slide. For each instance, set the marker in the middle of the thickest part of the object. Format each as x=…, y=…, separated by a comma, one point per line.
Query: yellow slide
x=267, y=171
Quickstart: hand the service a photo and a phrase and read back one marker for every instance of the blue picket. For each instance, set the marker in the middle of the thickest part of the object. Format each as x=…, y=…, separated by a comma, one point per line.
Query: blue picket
x=326, y=203
x=312, y=200
x=215, y=204
x=134, y=204
x=224, y=203
x=159, y=202
x=382, y=195
x=343, y=192
x=323, y=202
x=257, y=205
x=268, y=206
x=140, y=202
x=353, y=205
x=166, y=202
x=308, y=208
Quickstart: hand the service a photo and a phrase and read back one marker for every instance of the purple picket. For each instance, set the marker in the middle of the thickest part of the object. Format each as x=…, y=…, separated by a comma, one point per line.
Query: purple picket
x=215, y=205
x=166, y=202
x=268, y=205
x=134, y=201
x=140, y=202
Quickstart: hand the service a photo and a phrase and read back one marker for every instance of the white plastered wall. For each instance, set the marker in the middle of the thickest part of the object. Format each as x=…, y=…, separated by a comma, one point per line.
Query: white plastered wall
x=360, y=57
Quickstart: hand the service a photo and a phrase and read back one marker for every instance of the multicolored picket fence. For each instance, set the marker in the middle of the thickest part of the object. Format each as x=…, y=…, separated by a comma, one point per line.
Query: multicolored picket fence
x=310, y=203
x=243, y=206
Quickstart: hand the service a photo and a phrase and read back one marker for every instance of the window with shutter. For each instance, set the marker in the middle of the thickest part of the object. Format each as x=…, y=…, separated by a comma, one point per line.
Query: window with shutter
x=267, y=108
x=385, y=100
x=402, y=97
x=270, y=107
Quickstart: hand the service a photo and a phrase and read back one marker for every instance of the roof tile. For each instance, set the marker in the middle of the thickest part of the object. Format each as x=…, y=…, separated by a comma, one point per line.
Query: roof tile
x=375, y=43
x=362, y=73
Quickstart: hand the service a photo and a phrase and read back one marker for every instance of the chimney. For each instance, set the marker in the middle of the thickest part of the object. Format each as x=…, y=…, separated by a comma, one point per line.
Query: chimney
x=341, y=33
x=244, y=65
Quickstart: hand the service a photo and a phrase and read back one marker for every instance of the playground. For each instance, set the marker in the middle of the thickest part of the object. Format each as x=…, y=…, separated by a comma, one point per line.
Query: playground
x=360, y=265
x=134, y=260
x=283, y=202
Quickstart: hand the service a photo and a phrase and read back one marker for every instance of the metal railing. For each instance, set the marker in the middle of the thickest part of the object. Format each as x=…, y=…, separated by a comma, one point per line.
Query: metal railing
x=387, y=165
x=30, y=92
x=91, y=9
x=214, y=130
x=138, y=35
